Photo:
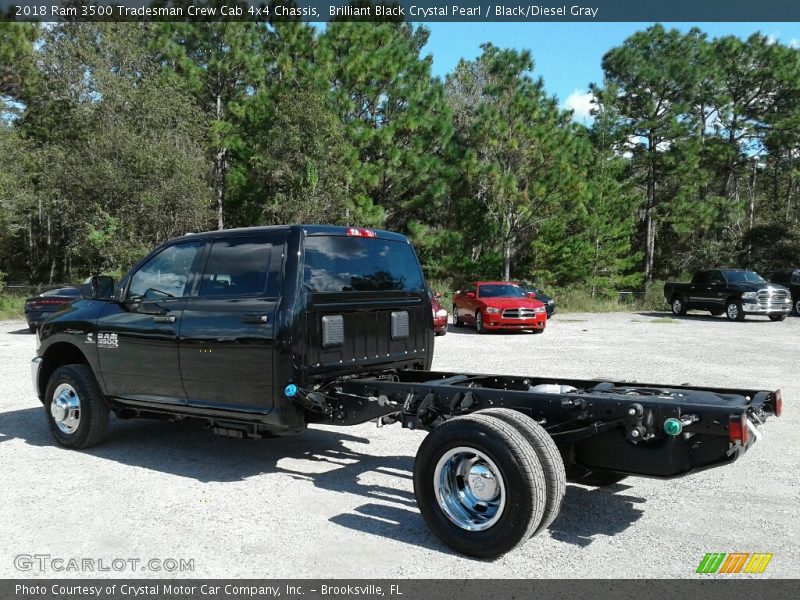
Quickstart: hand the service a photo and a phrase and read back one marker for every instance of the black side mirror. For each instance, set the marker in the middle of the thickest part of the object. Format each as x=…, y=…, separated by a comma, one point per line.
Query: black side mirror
x=98, y=287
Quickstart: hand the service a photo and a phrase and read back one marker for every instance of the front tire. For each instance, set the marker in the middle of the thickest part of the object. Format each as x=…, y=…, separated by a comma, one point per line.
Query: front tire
x=797, y=307
x=479, y=485
x=678, y=307
x=777, y=317
x=456, y=321
x=479, y=327
x=75, y=407
x=733, y=311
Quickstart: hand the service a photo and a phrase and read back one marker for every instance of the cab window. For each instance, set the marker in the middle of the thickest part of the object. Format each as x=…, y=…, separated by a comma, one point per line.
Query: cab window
x=701, y=278
x=243, y=267
x=165, y=275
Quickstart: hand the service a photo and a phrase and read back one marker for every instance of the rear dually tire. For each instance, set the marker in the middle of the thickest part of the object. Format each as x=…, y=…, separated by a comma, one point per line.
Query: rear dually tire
x=479, y=485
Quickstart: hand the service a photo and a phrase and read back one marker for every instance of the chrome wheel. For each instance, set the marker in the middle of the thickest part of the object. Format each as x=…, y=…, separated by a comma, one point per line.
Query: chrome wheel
x=733, y=311
x=66, y=408
x=677, y=306
x=469, y=488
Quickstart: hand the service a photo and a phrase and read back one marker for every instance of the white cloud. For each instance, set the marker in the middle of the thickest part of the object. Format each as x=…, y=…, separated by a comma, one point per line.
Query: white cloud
x=580, y=103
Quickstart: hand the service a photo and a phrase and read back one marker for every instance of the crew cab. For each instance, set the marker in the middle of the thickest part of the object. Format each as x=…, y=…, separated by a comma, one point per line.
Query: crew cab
x=262, y=332
x=735, y=292
x=790, y=279
x=498, y=305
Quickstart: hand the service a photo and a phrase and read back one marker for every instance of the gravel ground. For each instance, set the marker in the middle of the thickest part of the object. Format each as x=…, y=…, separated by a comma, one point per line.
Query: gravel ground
x=339, y=502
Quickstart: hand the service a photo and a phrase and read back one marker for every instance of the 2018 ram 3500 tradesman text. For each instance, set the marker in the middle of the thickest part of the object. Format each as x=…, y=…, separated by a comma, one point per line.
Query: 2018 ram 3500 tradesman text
x=259, y=332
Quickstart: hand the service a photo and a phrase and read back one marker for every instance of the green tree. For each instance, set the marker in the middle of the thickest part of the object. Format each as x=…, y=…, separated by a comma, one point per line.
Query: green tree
x=394, y=114
x=124, y=169
x=647, y=81
x=523, y=161
x=221, y=64
x=17, y=61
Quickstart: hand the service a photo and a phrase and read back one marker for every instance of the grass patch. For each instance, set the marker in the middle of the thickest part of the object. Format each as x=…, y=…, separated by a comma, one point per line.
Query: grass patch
x=11, y=307
x=666, y=320
x=576, y=299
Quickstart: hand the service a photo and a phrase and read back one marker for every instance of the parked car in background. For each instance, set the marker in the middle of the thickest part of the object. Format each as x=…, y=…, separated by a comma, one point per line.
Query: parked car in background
x=736, y=292
x=39, y=307
x=494, y=305
x=536, y=292
x=790, y=279
x=440, y=315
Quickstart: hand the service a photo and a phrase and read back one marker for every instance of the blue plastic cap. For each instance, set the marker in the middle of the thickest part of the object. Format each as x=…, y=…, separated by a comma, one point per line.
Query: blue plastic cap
x=290, y=390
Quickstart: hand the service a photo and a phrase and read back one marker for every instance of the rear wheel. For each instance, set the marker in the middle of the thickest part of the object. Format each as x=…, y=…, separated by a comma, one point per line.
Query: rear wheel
x=797, y=307
x=677, y=306
x=456, y=321
x=76, y=410
x=546, y=451
x=733, y=310
x=479, y=485
x=777, y=317
x=479, y=322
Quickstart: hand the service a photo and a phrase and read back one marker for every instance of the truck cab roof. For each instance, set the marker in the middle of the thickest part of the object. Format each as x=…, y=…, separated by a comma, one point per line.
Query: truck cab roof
x=308, y=230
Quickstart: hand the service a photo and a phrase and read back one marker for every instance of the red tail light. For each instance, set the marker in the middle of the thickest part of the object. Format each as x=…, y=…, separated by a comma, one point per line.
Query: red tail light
x=778, y=401
x=361, y=232
x=737, y=429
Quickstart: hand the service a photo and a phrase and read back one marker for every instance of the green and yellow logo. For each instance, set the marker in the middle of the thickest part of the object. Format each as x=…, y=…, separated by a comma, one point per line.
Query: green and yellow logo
x=735, y=562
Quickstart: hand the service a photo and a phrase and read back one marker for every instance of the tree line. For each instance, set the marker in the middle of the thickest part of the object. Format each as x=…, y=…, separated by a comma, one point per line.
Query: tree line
x=117, y=136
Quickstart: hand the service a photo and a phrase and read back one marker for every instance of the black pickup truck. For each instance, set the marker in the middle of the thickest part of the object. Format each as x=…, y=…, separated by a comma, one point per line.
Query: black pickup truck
x=735, y=292
x=260, y=332
x=790, y=279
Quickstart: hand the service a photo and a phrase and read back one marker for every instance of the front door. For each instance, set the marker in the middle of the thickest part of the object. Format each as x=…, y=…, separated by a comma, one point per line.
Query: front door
x=137, y=339
x=227, y=329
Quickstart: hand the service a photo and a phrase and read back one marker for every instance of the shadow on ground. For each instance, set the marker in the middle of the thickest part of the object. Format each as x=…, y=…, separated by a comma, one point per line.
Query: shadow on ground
x=699, y=316
x=470, y=330
x=24, y=331
x=187, y=449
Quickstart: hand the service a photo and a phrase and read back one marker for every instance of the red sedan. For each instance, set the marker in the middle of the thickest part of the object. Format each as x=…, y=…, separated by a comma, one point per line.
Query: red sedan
x=493, y=305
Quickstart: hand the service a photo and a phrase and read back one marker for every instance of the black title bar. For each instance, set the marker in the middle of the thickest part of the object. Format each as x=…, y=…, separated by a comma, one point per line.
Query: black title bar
x=407, y=10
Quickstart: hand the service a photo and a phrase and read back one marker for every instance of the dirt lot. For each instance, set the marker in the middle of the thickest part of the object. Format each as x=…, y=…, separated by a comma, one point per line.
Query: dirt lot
x=339, y=502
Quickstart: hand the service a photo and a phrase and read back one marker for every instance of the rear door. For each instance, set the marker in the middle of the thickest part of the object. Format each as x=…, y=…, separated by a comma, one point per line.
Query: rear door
x=719, y=291
x=700, y=290
x=227, y=330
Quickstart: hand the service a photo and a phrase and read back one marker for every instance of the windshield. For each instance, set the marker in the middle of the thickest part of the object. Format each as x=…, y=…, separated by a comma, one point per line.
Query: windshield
x=743, y=277
x=500, y=290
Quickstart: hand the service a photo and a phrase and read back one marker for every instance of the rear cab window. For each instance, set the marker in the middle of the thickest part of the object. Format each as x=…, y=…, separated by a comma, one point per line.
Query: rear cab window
x=360, y=264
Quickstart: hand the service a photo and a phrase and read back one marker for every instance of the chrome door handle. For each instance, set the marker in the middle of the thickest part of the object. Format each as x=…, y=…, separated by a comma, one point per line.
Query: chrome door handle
x=164, y=319
x=255, y=319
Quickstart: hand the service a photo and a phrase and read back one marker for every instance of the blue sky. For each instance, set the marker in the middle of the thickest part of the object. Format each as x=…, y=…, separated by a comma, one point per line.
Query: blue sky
x=568, y=55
